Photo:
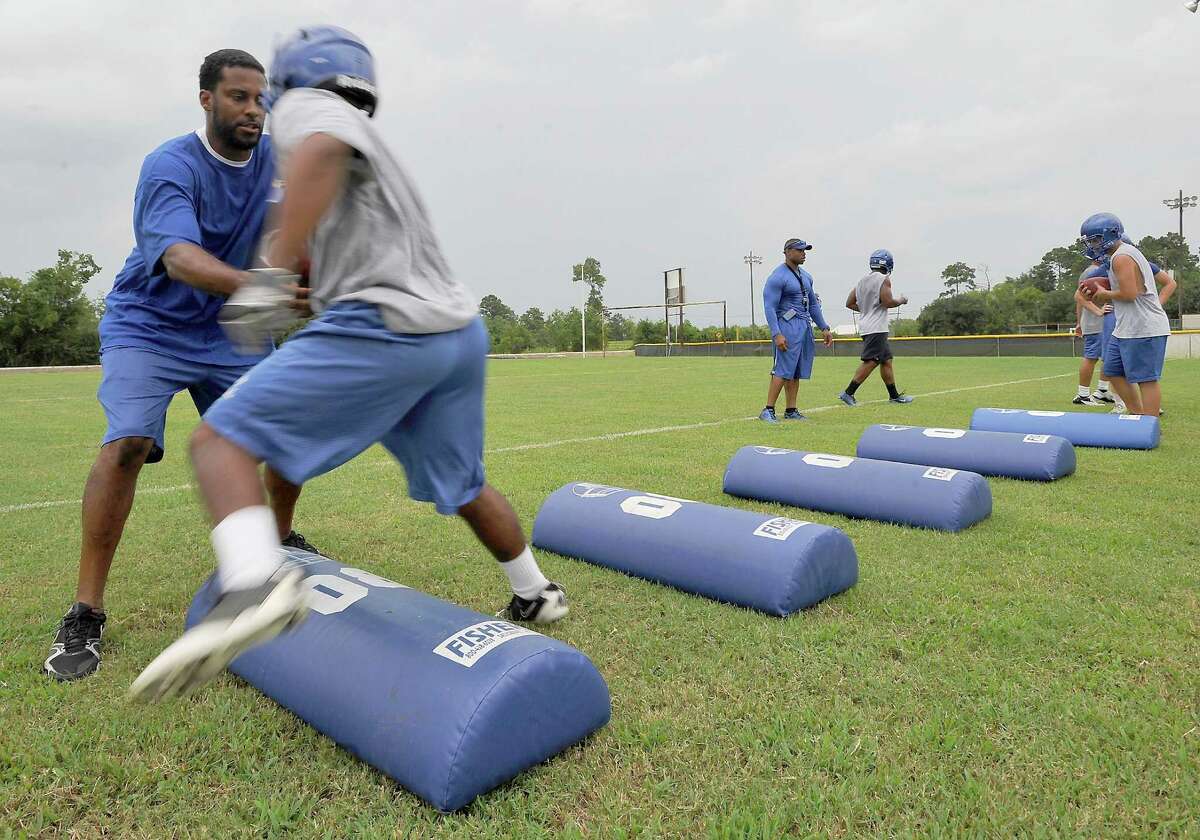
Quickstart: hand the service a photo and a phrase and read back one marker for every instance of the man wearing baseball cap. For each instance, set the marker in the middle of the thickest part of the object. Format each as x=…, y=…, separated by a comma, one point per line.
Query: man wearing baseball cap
x=792, y=307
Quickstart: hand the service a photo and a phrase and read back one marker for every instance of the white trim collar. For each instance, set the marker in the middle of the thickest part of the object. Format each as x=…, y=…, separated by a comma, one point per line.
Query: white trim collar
x=235, y=163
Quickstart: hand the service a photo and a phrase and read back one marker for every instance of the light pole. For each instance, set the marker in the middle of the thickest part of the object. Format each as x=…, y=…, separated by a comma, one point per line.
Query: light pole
x=752, y=260
x=987, y=275
x=582, y=310
x=1181, y=203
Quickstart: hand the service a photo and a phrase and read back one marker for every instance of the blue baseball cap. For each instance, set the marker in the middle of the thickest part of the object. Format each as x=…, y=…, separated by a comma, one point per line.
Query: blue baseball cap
x=798, y=244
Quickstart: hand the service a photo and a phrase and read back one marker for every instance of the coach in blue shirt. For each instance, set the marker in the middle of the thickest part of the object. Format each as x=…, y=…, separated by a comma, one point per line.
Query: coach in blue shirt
x=792, y=307
x=197, y=216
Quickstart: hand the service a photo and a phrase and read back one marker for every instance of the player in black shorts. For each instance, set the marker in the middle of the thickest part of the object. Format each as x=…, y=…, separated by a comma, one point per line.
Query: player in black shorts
x=872, y=297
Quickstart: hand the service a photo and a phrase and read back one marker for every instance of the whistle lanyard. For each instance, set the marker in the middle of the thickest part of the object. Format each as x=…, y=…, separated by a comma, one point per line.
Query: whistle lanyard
x=803, y=291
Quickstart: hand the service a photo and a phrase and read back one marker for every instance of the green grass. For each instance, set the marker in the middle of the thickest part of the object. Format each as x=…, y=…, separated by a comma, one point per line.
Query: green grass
x=1036, y=674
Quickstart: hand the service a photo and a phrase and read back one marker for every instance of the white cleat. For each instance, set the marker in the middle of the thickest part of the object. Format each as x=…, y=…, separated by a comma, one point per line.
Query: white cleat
x=239, y=620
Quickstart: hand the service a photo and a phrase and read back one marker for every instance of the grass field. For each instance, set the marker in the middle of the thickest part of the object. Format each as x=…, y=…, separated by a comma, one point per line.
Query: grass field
x=1036, y=674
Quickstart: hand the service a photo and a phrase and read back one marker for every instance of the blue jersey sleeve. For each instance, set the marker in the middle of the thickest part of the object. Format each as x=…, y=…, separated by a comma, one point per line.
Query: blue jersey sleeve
x=1155, y=268
x=164, y=209
x=772, y=293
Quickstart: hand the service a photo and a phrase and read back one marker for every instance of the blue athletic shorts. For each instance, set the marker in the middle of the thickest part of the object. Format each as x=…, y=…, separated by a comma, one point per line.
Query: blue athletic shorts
x=1135, y=359
x=137, y=385
x=346, y=382
x=797, y=361
x=1093, y=346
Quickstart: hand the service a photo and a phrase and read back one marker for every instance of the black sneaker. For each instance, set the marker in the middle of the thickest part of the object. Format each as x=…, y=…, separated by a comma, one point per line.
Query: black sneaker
x=75, y=653
x=793, y=414
x=295, y=539
x=1103, y=397
x=1082, y=400
x=239, y=620
x=546, y=608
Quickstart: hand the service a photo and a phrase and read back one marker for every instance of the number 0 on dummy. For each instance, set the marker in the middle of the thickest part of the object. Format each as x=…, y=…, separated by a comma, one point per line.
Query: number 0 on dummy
x=772, y=564
x=1115, y=431
x=1029, y=457
x=904, y=494
x=448, y=702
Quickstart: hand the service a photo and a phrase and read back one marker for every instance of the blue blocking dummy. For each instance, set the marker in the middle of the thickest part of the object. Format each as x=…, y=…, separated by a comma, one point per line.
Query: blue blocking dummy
x=1114, y=431
x=448, y=702
x=1031, y=457
x=773, y=564
x=905, y=494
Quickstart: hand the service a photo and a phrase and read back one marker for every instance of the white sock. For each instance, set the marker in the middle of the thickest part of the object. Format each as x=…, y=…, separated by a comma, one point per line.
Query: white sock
x=1103, y=387
x=247, y=546
x=524, y=575
x=1084, y=390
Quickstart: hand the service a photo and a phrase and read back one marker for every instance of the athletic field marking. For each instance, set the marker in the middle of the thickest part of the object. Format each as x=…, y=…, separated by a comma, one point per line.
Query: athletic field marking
x=63, y=502
x=46, y=399
x=524, y=447
x=710, y=423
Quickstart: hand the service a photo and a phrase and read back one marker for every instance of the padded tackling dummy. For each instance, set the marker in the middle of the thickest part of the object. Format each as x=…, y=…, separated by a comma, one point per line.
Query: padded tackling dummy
x=1031, y=457
x=904, y=494
x=448, y=702
x=769, y=563
x=1114, y=431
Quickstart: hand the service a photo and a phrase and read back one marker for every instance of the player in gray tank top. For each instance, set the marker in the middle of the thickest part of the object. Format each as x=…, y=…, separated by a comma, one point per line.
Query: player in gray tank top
x=1135, y=354
x=397, y=356
x=872, y=297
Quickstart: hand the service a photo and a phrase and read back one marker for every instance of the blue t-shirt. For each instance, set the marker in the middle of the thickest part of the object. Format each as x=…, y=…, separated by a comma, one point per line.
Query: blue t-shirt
x=186, y=193
x=784, y=292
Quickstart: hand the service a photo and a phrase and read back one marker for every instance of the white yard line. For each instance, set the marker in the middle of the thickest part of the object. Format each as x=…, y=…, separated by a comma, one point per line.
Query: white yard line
x=90, y=398
x=63, y=502
x=815, y=410
x=592, y=438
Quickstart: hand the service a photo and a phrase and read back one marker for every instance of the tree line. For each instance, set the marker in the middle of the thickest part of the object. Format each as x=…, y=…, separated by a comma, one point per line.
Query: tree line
x=48, y=319
x=535, y=331
x=1045, y=294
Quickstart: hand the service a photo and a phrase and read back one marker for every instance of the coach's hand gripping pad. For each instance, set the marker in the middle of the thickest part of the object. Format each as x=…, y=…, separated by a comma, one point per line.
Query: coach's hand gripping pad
x=905, y=494
x=1114, y=431
x=1031, y=457
x=448, y=702
x=773, y=564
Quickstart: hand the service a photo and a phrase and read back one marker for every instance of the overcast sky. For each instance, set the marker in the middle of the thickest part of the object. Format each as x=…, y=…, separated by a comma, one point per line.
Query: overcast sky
x=652, y=134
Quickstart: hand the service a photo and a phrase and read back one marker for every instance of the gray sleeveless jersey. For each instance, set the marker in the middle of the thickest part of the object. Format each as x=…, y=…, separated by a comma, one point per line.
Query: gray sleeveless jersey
x=873, y=315
x=1142, y=317
x=376, y=242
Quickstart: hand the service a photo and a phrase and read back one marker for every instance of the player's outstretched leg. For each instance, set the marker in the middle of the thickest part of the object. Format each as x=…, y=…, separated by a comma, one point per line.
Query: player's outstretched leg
x=860, y=376
x=260, y=598
x=495, y=523
x=107, y=500
x=889, y=379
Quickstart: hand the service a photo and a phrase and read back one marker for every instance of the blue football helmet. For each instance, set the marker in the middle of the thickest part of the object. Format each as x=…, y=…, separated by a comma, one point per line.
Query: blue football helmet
x=328, y=58
x=1099, y=233
x=881, y=260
